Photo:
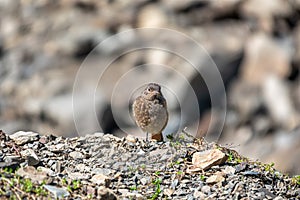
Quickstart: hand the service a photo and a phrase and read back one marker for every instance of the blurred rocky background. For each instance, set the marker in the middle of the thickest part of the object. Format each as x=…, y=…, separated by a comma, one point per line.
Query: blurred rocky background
x=255, y=45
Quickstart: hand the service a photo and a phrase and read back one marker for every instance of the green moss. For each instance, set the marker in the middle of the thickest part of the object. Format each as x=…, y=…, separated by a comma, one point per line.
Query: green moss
x=296, y=180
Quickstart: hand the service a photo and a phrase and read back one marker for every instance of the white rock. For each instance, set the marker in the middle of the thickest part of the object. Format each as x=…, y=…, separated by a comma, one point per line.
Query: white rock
x=22, y=137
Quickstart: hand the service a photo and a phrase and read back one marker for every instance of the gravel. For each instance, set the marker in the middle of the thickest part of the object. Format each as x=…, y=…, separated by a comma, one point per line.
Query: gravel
x=107, y=167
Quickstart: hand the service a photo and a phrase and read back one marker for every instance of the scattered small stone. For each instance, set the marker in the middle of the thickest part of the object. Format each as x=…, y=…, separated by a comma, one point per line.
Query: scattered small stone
x=174, y=184
x=8, y=159
x=229, y=170
x=131, y=138
x=101, y=179
x=57, y=191
x=12, y=165
x=106, y=194
x=205, y=189
x=32, y=158
x=199, y=195
x=250, y=173
x=57, y=148
x=46, y=170
x=218, y=177
x=116, y=171
x=144, y=181
x=76, y=155
x=168, y=192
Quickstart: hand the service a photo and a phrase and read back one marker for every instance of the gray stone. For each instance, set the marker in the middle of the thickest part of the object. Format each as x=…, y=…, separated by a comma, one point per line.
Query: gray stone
x=76, y=155
x=30, y=155
x=205, y=189
x=57, y=191
x=22, y=137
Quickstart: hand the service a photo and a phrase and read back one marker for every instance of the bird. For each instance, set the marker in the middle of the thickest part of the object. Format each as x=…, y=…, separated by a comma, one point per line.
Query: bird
x=150, y=111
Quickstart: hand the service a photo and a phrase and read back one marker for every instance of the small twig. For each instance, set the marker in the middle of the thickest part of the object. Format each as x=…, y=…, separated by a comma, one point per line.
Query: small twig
x=16, y=193
x=11, y=184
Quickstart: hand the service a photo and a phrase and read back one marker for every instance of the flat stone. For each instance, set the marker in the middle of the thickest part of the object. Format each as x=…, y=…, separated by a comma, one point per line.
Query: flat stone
x=229, y=170
x=30, y=155
x=12, y=165
x=205, y=189
x=206, y=159
x=168, y=192
x=100, y=179
x=76, y=155
x=31, y=173
x=57, y=191
x=144, y=181
x=215, y=178
x=199, y=195
x=131, y=138
x=46, y=170
x=57, y=148
x=22, y=137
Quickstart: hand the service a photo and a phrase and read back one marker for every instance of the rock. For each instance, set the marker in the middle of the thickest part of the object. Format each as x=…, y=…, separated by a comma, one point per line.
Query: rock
x=78, y=176
x=57, y=191
x=144, y=181
x=106, y=194
x=103, y=171
x=76, y=155
x=30, y=155
x=206, y=159
x=174, y=184
x=131, y=138
x=46, y=170
x=205, y=189
x=218, y=177
x=12, y=165
x=8, y=159
x=101, y=179
x=83, y=168
x=278, y=198
x=168, y=192
x=199, y=195
x=31, y=173
x=57, y=148
x=22, y=137
x=229, y=170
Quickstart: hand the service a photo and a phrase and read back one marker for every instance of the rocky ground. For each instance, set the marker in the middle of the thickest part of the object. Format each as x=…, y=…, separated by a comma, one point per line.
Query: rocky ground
x=255, y=45
x=106, y=167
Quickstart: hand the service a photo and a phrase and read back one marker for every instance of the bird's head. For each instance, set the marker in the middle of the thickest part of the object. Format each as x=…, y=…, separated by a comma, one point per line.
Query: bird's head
x=152, y=92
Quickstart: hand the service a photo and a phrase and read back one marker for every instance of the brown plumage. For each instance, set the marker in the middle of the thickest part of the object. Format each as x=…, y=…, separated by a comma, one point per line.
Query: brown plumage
x=150, y=111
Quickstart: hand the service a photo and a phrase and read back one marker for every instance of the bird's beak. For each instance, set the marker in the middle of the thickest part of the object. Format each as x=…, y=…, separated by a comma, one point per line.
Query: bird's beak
x=155, y=93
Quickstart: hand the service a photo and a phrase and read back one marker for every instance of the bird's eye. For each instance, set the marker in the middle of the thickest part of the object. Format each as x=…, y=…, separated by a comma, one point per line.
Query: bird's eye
x=150, y=89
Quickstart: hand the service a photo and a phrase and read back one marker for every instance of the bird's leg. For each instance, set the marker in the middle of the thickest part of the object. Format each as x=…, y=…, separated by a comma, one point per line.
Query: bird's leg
x=147, y=137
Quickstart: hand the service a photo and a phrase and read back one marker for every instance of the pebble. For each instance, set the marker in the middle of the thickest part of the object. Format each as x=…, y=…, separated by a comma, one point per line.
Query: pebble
x=100, y=179
x=22, y=137
x=32, y=158
x=205, y=189
x=76, y=155
x=107, y=174
x=57, y=192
